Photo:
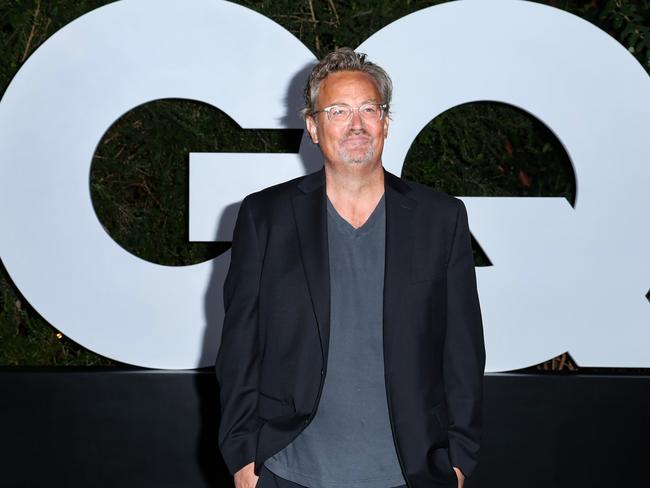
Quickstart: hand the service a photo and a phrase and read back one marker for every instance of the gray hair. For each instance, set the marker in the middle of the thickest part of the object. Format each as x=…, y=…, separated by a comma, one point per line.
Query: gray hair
x=345, y=59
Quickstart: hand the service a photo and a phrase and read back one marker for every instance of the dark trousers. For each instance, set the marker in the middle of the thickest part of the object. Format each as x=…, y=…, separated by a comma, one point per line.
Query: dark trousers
x=268, y=479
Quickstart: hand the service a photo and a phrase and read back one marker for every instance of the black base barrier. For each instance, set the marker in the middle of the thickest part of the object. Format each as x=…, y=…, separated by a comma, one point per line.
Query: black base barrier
x=142, y=428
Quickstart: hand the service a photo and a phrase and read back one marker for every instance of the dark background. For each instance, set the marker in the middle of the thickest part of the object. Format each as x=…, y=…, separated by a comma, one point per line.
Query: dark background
x=140, y=428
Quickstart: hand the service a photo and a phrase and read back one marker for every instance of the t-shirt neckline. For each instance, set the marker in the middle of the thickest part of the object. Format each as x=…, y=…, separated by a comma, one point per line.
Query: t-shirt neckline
x=347, y=226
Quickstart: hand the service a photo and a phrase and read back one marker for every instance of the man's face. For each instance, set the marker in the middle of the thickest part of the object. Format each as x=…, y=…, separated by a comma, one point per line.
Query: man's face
x=355, y=142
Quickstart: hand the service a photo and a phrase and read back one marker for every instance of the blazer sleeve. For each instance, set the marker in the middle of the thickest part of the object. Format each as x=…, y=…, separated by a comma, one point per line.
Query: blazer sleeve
x=464, y=352
x=238, y=360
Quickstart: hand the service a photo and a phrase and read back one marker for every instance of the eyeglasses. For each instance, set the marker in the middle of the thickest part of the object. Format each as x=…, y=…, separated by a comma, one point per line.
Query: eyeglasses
x=341, y=113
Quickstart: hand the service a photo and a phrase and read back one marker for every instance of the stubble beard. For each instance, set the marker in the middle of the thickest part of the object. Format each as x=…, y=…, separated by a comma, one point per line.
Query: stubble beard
x=347, y=157
x=354, y=158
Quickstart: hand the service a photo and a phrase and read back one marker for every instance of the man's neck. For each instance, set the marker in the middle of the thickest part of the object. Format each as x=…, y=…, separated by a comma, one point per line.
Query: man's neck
x=355, y=182
x=354, y=192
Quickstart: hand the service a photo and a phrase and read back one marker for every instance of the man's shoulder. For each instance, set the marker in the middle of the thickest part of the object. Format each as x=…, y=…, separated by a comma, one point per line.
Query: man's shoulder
x=428, y=195
x=278, y=192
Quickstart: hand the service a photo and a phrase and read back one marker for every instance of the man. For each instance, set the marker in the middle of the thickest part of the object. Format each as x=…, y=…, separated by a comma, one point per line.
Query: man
x=352, y=350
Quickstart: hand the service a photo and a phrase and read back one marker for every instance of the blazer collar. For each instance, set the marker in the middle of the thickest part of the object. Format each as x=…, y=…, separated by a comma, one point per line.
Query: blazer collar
x=316, y=180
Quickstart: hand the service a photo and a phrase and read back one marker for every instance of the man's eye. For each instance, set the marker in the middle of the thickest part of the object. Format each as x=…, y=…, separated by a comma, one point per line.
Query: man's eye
x=338, y=111
x=369, y=109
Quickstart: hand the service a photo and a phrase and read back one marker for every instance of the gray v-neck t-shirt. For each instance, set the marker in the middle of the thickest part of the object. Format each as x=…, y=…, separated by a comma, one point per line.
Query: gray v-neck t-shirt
x=349, y=443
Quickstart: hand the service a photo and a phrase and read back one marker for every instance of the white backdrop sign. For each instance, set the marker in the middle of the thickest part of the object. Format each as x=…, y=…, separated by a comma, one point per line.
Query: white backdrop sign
x=563, y=278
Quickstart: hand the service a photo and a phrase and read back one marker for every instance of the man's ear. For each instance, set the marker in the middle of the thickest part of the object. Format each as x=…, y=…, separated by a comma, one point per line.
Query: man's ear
x=386, y=124
x=312, y=129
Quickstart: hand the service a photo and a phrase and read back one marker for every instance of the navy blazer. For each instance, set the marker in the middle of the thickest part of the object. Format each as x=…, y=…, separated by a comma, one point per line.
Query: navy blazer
x=273, y=355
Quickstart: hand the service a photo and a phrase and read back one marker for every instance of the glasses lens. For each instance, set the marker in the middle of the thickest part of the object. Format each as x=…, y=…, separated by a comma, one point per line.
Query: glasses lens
x=339, y=113
x=370, y=111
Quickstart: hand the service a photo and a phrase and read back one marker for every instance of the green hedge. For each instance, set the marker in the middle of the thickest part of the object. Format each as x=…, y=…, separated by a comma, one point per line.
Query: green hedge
x=140, y=172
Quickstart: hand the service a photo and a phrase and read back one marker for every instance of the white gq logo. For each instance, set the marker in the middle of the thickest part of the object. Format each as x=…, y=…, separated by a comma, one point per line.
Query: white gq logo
x=563, y=278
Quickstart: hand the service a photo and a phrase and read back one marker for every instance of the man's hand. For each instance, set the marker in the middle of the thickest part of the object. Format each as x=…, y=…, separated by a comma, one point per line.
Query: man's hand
x=246, y=477
x=460, y=476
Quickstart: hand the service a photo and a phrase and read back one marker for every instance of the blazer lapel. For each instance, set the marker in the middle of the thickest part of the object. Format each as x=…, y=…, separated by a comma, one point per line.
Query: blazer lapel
x=310, y=212
x=397, y=267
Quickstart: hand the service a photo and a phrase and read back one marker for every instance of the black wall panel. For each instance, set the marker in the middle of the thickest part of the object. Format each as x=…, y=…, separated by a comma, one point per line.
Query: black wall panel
x=142, y=428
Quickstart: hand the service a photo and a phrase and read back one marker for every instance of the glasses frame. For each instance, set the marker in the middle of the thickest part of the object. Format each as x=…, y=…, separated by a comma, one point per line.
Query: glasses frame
x=382, y=107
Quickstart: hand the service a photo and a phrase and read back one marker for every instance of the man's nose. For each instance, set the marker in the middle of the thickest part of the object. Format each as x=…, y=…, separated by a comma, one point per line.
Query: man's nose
x=356, y=122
